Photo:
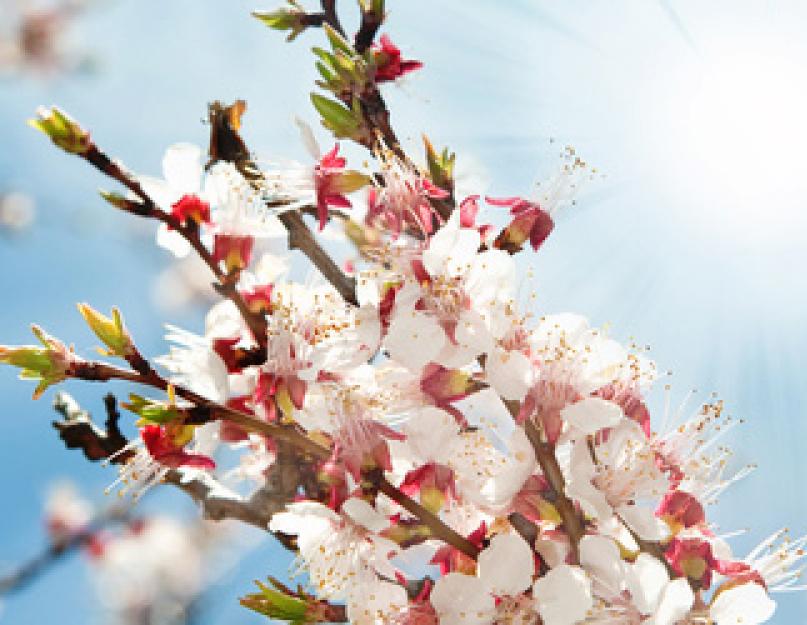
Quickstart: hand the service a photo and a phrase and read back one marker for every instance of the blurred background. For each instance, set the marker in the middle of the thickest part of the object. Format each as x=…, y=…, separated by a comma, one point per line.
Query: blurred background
x=691, y=240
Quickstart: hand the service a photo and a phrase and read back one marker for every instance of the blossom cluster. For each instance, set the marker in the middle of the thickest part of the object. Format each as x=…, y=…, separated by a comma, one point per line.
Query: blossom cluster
x=461, y=460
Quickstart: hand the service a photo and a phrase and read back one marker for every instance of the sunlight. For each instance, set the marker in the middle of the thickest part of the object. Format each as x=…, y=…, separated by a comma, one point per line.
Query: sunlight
x=732, y=131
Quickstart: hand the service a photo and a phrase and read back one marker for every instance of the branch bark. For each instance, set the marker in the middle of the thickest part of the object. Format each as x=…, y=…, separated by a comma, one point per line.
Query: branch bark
x=227, y=145
x=545, y=455
x=189, y=231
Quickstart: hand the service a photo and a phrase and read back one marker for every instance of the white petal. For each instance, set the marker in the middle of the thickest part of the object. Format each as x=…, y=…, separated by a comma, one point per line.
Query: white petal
x=364, y=514
x=172, y=241
x=554, y=552
x=473, y=332
x=591, y=414
x=308, y=139
x=462, y=600
x=451, y=250
x=676, y=600
x=182, y=167
x=491, y=277
x=506, y=565
x=563, y=595
x=510, y=373
x=644, y=522
x=375, y=603
x=747, y=604
x=646, y=579
x=309, y=524
x=430, y=432
x=578, y=482
x=601, y=559
x=414, y=339
x=163, y=194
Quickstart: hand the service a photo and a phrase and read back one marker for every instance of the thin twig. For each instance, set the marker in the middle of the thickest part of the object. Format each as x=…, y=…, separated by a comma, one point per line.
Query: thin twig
x=436, y=526
x=545, y=454
x=189, y=231
x=227, y=145
x=207, y=410
x=331, y=17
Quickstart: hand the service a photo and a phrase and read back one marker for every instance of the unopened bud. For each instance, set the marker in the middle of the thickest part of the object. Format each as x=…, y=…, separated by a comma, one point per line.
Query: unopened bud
x=111, y=331
x=49, y=364
x=62, y=130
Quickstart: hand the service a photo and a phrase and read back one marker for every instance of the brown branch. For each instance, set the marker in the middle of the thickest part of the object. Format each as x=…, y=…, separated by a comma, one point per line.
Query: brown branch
x=206, y=410
x=227, y=145
x=437, y=527
x=301, y=238
x=370, y=23
x=216, y=502
x=331, y=16
x=189, y=231
x=545, y=454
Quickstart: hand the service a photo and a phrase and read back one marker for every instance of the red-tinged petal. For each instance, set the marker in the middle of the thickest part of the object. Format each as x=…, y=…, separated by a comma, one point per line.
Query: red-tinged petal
x=420, y=271
x=469, y=209
x=387, y=47
x=410, y=66
x=425, y=218
x=433, y=191
x=445, y=385
x=234, y=250
x=484, y=231
x=338, y=200
x=191, y=207
x=331, y=160
x=296, y=388
x=156, y=440
x=527, y=408
x=504, y=201
x=225, y=348
x=259, y=298
x=731, y=568
x=198, y=461
x=680, y=507
x=541, y=228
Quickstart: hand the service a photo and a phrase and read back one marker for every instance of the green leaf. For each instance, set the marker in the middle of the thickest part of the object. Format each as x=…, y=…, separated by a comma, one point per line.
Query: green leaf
x=151, y=410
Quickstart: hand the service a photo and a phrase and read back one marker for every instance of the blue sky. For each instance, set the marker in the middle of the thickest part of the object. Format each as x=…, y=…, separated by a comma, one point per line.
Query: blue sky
x=689, y=243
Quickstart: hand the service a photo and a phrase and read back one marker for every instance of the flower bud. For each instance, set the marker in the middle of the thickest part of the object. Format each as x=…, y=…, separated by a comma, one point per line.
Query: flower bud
x=441, y=165
x=119, y=201
x=291, y=19
x=48, y=364
x=151, y=410
x=112, y=332
x=234, y=250
x=62, y=130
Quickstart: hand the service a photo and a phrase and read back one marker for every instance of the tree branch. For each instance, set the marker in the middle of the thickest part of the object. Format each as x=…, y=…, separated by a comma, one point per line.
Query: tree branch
x=331, y=16
x=227, y=145
x=370, y=23
x=545, y=455
x=189, y=231
x=437, y=527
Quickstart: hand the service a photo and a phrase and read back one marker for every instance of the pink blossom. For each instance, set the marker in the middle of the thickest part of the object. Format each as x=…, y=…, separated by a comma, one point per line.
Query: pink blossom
x=388, y=61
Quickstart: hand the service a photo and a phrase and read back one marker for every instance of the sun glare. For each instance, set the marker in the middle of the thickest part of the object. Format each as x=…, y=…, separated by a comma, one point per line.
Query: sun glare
x=733, y=136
